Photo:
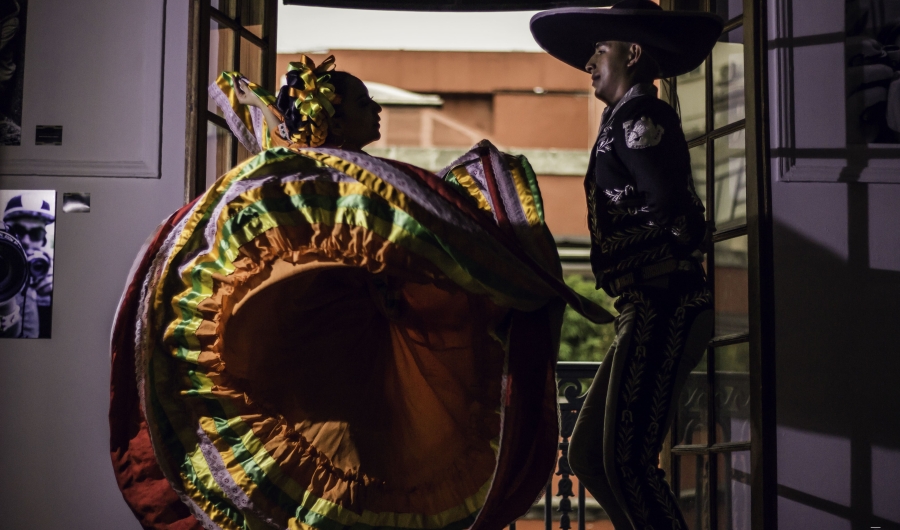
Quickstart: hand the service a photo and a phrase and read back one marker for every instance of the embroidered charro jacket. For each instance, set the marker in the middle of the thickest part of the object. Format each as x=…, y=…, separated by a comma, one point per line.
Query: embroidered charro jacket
x=642, y=205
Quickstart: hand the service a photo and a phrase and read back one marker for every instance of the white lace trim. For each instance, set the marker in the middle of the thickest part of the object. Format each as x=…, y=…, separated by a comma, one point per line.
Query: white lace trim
x=258, y=125
x=243, y=134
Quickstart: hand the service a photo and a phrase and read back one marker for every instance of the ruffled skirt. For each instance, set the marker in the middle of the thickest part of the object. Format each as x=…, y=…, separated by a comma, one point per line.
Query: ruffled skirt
x=329, y=340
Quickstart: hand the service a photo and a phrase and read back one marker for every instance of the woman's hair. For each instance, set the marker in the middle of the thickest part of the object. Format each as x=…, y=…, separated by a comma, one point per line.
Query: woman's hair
x=310, y=99
x=341, y=81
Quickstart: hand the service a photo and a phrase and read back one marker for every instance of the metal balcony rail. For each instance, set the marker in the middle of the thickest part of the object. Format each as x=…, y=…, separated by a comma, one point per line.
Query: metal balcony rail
x=570, y=502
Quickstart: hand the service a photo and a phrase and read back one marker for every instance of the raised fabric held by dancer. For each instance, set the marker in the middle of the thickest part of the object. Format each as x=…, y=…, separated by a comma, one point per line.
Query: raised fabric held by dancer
x=647, y=231
x=325, y=339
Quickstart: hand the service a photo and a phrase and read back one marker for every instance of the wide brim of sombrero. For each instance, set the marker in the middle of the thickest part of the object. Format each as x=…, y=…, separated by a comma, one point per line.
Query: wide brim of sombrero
x=679, y=41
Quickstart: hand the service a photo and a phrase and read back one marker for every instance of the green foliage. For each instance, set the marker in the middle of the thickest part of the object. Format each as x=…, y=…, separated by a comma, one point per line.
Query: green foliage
x=583, y=340
x=733, y=358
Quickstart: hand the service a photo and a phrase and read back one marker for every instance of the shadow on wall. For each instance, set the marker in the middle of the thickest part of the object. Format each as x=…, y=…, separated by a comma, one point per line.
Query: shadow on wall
x=837, y=371
x=835, y=200
x=873, y=63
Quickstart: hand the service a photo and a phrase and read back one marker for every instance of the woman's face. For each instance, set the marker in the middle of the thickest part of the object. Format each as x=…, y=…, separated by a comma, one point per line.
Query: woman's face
x=357, y=124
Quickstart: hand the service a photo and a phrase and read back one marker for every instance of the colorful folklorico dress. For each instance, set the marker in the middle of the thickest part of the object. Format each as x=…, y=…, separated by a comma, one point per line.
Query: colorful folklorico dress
x=325, y=339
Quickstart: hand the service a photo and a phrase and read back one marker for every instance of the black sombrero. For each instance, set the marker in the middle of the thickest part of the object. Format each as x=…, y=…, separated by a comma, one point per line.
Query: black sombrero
x=678, y=40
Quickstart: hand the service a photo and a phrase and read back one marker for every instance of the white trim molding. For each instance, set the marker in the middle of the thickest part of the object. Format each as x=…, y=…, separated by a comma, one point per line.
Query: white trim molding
x=94, y=67
x=808, y=95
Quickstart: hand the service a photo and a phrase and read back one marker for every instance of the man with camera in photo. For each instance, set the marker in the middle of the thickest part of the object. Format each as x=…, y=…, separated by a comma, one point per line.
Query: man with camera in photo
x=26, y=313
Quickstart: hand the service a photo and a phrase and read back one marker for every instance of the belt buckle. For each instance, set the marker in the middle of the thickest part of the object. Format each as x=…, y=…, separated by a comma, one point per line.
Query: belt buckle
x=660, y=268
x=653, y=270
x=624, y=281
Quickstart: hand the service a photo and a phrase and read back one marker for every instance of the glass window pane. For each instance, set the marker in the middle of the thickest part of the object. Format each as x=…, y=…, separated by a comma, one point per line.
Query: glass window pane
x=252, y=62
x=253, y=16
x=242, y=152
x=693, y=490
x=698, y=168
x=731, y=289
x=581, y=340
x=734, y=490
x=691, y=90
x=728, y=79
x=218, y=152
x=691, y=424
x=730, y=181
x=733, y=393
x=227, y=7
x=221, y=56
x=727, y=9
x=690, y=5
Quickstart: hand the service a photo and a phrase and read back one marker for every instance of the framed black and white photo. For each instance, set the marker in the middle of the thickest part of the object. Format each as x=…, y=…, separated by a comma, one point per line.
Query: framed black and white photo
x=27, y=237
x=872, y=53
x=12, y=70
x=87, y=108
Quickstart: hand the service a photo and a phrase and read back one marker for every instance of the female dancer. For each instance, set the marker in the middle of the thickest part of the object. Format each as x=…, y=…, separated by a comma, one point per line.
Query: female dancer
x=325, y=339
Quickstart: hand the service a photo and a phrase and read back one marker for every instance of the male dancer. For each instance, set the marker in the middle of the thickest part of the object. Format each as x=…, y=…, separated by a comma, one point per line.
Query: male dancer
x=647, y=229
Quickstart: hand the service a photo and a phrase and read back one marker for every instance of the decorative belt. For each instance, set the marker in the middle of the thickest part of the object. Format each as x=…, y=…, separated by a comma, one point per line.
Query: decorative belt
x=654, y=270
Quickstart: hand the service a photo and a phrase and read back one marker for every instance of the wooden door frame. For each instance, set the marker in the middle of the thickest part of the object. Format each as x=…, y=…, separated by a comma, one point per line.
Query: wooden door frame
x=759, y=220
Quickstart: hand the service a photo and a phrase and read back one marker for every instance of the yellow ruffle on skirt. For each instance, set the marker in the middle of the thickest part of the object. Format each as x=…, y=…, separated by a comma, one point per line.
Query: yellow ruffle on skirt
x=330, y=340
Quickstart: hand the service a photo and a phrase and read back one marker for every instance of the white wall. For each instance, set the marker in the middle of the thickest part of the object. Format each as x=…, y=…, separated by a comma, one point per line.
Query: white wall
x=836, y=212
x=54, y=393
x=837, y=302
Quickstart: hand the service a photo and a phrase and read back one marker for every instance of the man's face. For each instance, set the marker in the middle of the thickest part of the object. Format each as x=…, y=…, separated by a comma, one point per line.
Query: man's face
x=608, y=68
x=30, y=232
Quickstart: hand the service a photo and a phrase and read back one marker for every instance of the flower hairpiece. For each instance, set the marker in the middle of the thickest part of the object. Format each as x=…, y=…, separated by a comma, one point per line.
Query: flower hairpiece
x=314, y=98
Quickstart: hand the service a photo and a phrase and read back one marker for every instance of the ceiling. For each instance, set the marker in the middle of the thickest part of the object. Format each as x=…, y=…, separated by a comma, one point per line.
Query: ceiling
x=452, y=5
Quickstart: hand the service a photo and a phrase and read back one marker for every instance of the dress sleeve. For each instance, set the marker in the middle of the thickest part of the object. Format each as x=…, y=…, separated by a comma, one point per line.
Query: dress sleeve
x=247, y=123
x=650, y=143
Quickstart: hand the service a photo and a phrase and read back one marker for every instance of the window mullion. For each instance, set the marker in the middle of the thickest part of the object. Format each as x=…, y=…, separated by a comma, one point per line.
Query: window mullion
x=698, y=141
x=734, y=23
x=727, y=340
x=247, y=34
x=724, y=130
x=710, y=109
x=271, y=52
x=236, y=59
x=203, y=27
x=218, y=120
x=711, y=461
x=222, y=18
x=204, y=14
x=674, y=470
x=730, y=233
x=237, y=67
x=705, y=450
x=711, y=427
x=763, y=481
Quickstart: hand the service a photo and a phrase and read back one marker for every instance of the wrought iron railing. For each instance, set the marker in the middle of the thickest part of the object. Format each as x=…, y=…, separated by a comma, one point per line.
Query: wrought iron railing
x=569, y=505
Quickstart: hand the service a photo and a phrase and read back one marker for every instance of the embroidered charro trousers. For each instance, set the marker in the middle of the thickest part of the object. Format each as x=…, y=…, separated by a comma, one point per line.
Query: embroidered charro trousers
x=661, y=334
